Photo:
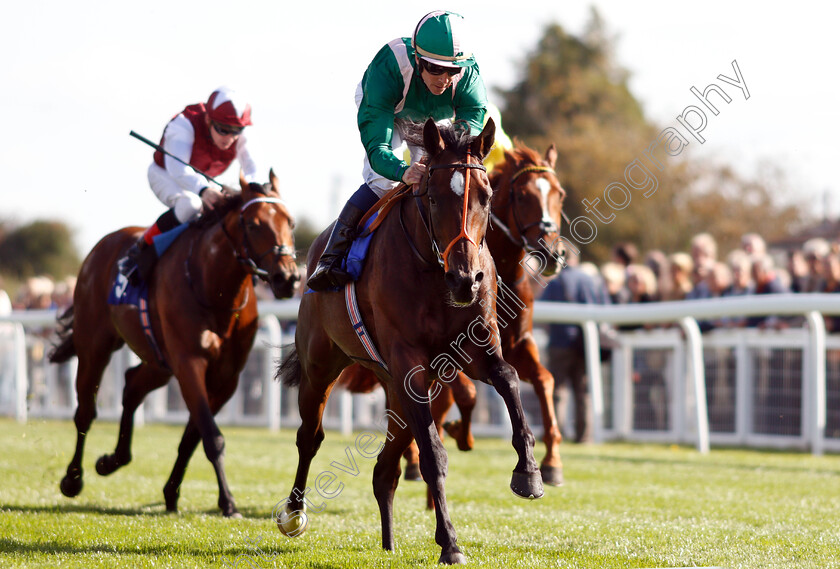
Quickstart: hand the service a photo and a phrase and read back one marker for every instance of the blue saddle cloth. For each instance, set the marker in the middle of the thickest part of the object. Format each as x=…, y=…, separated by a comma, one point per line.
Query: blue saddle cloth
x=123, y=292
x=355, y=261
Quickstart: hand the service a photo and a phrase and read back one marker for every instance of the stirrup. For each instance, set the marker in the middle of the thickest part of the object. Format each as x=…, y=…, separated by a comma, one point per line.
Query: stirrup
x=328, y=275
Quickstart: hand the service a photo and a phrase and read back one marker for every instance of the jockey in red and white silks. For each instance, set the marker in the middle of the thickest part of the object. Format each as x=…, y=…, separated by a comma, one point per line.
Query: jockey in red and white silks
x=189, y=137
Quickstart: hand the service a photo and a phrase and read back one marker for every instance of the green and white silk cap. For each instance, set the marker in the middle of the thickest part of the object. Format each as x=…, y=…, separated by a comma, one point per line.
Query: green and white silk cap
x=438, y=39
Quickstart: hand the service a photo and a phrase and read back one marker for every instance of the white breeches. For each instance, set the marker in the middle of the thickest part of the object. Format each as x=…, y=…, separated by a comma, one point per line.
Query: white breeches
x=186, y=204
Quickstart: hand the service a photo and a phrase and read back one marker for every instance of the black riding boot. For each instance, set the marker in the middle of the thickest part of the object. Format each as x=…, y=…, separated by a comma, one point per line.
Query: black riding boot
x=138, y=262
x=328, y=273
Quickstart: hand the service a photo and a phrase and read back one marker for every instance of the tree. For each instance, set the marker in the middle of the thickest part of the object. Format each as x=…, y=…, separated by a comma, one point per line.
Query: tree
x=575, y=95
x=40, y=247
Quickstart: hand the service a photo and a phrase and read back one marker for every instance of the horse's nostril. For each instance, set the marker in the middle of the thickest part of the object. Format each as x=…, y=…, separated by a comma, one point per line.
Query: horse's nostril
x=479, y=276
x=450, y=280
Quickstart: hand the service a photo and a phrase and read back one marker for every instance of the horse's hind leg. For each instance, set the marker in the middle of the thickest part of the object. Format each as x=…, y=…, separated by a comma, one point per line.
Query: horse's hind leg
x=91, y=366
x=139, y=382
x=315, y=387
x=463, y=393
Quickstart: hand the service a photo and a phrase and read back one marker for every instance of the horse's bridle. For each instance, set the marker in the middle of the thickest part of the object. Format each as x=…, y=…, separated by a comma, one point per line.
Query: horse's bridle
x=545, y=226
x=443, y=258
x=247, y=258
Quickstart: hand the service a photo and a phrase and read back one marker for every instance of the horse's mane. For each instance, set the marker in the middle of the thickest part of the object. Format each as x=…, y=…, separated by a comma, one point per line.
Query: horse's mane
x=220, y=210
x=515, y=159
x=456, y=136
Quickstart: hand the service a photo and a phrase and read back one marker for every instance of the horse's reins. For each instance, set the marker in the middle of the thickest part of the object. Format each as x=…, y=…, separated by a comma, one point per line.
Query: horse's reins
x=443, y=258
x=545, y=226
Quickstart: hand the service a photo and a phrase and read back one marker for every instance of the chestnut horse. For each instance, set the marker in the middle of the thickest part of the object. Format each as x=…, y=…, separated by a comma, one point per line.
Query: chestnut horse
x=429, y=285
x=524, y=241
x=203, y=315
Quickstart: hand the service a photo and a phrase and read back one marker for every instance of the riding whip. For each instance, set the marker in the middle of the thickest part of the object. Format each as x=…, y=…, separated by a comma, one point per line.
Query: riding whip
x=160, y=148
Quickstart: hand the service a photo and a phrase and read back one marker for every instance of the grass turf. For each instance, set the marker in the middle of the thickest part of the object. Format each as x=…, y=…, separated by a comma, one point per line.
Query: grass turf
x=622, y=506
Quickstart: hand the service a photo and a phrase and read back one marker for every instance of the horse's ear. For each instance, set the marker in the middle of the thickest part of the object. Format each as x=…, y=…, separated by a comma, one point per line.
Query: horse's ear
x=551, y=155
x=484, y=142
x=242, y=183
x=432, y=142
x=275, y=183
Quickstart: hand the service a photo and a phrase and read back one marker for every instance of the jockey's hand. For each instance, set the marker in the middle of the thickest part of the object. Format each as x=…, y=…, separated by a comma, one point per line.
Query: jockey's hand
x=414, y=174
x=210, y=197
x=229, y=190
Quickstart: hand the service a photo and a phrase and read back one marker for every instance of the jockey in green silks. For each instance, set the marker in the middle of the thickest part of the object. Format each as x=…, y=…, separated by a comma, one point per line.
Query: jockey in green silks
x=429, y=75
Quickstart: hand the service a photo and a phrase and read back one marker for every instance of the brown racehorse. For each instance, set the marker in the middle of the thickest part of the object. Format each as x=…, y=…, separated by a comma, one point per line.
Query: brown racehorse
x=525, y=220
x=418, y=314
x=203, y=312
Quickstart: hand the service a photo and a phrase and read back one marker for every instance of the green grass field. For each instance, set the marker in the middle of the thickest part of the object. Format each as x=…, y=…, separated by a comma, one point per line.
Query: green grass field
x=622, y=506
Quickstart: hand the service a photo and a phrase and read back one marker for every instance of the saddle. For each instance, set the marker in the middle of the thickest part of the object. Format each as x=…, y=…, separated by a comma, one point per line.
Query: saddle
x=354, y=262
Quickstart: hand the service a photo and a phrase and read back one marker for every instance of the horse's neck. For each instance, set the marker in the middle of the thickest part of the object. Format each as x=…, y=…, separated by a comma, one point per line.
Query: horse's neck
x=215, y=260
x=417, y=232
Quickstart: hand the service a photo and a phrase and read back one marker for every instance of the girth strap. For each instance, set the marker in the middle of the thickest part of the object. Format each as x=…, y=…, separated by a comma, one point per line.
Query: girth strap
x=359, y=326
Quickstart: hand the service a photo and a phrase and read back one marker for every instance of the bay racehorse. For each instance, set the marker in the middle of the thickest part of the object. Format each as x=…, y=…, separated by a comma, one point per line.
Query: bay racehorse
x=526, y=246
x=202, y=316
x=427, y=298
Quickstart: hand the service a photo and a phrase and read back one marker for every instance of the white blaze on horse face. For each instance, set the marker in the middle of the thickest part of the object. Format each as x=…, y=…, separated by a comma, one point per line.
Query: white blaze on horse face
x=457, y=183
x=545, y=187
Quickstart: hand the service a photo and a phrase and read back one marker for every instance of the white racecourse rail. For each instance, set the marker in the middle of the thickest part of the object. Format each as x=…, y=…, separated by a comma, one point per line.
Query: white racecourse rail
x=31, y=387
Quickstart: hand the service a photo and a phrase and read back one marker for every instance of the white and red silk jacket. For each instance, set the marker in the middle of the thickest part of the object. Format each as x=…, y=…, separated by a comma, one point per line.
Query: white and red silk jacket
x=187, y=136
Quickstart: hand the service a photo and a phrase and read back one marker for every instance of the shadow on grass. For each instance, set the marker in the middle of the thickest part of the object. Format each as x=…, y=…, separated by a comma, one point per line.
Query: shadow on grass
x=12, y=546
x=711, y=464
x=144, y=510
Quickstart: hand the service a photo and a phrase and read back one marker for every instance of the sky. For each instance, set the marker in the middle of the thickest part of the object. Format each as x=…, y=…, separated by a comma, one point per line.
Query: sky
x=78, y=76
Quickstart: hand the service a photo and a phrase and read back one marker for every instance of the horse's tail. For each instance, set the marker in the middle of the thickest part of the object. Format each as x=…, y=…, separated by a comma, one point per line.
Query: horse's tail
x=65, y=349
x=289, y=371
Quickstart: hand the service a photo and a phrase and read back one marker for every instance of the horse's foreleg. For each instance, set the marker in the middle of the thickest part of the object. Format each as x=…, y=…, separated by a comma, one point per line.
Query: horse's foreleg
x=526, y=361
x=386, y=473
x=201, y=415
x=526, y=481
x=139, y=382
x=411, y=389
x=172, y=489
x=91, y=367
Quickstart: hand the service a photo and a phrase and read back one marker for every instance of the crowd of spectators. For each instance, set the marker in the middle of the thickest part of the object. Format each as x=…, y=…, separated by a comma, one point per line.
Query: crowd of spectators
x=42, y=293
x=702, y=273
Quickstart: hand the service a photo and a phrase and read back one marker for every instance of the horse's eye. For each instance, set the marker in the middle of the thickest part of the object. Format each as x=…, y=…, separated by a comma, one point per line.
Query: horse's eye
x=252, y=225
x=432, y=201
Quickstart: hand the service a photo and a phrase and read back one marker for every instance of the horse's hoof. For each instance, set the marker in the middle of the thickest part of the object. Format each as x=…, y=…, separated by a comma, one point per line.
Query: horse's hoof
x=234, y=515
x=71, y=485
x=292, y=523
x=171, y=499
x=552, y=475
x=412, y=472
x=108, y=464
x=527, y=485
x=452, y=558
